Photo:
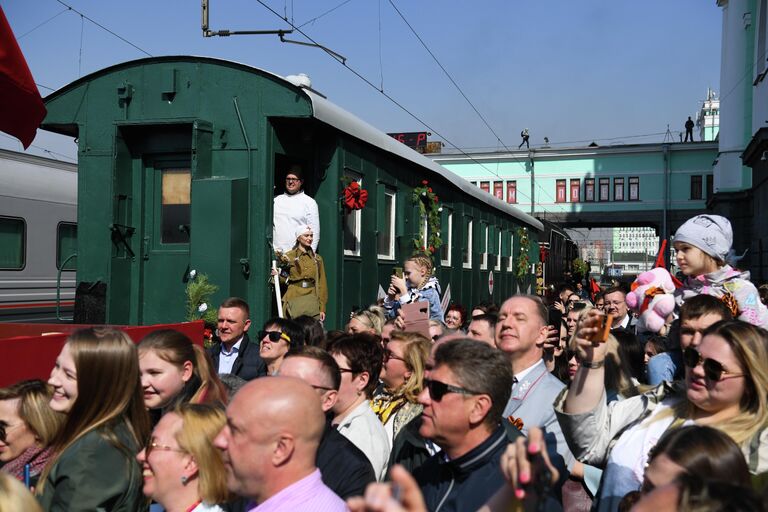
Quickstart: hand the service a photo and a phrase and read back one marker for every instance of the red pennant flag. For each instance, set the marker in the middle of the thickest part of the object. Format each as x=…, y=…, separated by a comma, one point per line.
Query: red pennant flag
x=594, y=288
x=660, y=256
x=21, y=107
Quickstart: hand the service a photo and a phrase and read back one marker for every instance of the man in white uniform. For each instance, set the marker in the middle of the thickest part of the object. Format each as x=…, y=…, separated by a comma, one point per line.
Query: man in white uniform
x=292, y=210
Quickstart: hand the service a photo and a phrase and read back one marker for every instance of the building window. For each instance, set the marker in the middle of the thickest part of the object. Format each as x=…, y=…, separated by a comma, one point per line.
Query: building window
x=66, y=245
x=352, y=221
x=446, y=233
x=618, y=189
x=560, y=196
x=605, y=185
x=386, y=238
x=575, y=190
x=467, y=243
x=498, y=189
x=512, y=192
x=13, y=234
x=589, y=189
x=696, y=192
x=176, y=208
x=485, y=186
x=711, y=184
x=634, y=189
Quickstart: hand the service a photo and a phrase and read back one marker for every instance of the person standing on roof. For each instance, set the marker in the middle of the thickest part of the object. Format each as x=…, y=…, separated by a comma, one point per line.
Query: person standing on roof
x=525, y=136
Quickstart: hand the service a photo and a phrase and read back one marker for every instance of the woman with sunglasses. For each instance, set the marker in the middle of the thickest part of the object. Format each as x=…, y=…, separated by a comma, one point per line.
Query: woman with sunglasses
x=96, y=385
x=725, y=381
x=28, y=426
x=277, y=337
x=402, y=379
x=182, y=470
x=174, y=370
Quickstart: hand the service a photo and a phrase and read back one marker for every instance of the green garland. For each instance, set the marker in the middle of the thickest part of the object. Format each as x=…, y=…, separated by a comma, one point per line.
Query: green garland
x=429, y=208
x=580, y=267
x=523, y=258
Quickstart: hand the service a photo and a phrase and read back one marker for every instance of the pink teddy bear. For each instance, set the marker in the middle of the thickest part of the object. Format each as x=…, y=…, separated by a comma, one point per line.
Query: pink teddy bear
x=652, y=298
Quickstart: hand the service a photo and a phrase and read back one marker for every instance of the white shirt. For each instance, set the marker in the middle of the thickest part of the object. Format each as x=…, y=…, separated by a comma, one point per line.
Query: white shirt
x=227, y=359
x=290, y=213
x=520, y=376
x=363, y=428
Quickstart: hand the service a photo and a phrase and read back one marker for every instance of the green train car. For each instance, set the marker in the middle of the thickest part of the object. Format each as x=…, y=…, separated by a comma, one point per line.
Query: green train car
x=180, y=157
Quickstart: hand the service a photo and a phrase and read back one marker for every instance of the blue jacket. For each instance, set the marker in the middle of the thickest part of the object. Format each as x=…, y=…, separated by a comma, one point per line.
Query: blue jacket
x=429, y=292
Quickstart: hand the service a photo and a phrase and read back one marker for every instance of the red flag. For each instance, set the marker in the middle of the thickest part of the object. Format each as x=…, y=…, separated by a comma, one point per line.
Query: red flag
x=660, y=256
x=21, y=107
x=593, y=287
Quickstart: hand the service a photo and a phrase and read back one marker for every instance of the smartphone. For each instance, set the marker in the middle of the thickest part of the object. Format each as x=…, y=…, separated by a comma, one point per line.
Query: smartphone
x=398, y=271
x=416, y=317
x=604, y=329
x=555, y=318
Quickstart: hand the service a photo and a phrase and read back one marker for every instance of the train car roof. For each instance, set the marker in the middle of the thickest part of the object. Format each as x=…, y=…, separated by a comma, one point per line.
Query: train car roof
x=331, y=114
x=34, y=177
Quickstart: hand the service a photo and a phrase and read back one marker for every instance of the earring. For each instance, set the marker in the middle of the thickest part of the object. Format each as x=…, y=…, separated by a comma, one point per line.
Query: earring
x=184, y=480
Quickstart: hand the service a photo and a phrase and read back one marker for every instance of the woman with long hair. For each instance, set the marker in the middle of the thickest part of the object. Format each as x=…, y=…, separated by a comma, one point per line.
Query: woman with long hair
x=402, y=376
x=28, y=426
x=175, y=370
x=724, y=387
x=182, y=470
x=96, y=385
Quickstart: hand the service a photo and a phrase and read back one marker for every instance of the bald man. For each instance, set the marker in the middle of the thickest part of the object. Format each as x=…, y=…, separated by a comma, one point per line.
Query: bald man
x=269, y=446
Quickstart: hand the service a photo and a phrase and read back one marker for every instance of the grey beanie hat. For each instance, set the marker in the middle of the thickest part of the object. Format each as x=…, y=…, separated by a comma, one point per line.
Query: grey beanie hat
x=710, y=233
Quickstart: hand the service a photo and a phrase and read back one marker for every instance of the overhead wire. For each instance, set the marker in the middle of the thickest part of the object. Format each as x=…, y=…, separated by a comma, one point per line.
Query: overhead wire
x=329, y=11
x=41, y=24
x=49, y=151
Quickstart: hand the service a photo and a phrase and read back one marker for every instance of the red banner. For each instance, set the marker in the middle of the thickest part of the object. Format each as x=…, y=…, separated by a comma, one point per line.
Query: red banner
x=21, y=107
x=28, y=351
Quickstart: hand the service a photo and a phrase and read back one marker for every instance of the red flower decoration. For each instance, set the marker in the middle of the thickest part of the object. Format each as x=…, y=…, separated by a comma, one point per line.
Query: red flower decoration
x=430, y=190
x=431, y=249
x=424, y=182
x=435, y=198
x=355, y=197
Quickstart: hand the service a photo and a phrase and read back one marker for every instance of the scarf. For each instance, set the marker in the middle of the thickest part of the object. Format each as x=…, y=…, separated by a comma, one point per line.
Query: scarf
x=35, y=456
x=387, y=404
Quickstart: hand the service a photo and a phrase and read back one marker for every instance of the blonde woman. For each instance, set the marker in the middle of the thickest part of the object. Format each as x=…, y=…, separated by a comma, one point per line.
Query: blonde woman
x=724, y=387
x=402, y=376
x=96, y=385
x=28, y=426
x=182, y=469
x=369, y=321
x=14, y=497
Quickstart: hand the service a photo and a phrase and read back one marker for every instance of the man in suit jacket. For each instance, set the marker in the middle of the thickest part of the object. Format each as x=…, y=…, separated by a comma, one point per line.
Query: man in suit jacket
x=235, y=354
x=520, y=333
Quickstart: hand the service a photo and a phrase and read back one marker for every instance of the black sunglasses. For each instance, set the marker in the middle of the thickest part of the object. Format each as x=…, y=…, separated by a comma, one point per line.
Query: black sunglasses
x=713, y=370
x=274, y=336
x=437, y=390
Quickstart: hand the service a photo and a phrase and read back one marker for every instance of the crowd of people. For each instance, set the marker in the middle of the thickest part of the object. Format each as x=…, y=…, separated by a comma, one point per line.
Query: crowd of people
x=561, y=403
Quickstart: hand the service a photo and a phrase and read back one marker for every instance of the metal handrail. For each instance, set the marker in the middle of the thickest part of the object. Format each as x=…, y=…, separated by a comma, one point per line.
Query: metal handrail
x=58, y=289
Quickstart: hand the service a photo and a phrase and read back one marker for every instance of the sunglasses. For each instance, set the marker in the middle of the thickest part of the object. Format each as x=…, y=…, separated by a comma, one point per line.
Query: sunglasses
x=437, y=390
x=274, y=336
x=713, y=370
x=4, y=428
x=153, y=445
x=388, y=354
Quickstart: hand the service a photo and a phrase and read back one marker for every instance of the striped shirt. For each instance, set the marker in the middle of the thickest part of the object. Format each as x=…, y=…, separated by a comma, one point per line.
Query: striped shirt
x=309, y=494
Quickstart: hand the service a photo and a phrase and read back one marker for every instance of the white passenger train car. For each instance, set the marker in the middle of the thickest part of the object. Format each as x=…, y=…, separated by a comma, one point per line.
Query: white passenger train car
x=38, y=234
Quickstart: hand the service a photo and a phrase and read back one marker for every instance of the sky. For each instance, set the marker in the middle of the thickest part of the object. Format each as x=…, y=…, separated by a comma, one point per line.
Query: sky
x=612, y=71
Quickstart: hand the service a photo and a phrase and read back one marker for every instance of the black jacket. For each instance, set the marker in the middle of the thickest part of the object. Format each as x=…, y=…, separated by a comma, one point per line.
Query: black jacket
x=465, y=483
x=345, y=468
x=409, y=449
x=248, y=364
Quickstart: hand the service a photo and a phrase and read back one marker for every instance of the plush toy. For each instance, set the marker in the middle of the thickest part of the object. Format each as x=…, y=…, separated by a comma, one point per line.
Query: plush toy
x=652, y=298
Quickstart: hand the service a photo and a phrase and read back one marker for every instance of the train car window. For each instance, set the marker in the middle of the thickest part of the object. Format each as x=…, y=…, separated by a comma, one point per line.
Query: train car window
x=484, y=246
x=13, y=238
x=446, y=233
x=511, y=261
x=497, y=266
x=66, y=245
x=467, y=243
x=386, y=238
x=352, y=221
x=176, y=205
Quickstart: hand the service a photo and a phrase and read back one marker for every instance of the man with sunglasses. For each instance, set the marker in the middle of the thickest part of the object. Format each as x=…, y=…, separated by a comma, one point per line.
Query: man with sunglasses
x=463, y=397
x=292, y=210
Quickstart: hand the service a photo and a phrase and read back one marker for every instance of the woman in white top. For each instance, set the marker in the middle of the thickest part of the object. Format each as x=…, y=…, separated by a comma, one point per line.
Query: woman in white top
x=182, y=470
x=359, y=357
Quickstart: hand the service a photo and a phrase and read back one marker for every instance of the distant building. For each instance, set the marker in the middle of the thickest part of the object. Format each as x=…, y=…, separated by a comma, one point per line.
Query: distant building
x=708, y=118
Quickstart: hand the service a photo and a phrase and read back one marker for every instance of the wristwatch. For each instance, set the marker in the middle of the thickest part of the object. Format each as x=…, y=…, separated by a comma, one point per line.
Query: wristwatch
x=593, y=364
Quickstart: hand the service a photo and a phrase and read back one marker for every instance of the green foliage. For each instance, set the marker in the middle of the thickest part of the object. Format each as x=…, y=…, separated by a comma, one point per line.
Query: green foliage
x=523, y=261
x=199, y=292
x=580, y=267
x=429, y=209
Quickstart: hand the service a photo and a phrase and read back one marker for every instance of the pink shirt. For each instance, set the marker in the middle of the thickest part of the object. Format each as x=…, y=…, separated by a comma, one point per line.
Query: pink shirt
x=309, y=494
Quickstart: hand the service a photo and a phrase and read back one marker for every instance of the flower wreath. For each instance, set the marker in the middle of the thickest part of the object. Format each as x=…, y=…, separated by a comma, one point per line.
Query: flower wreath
x=430, y=210
x=523, y=258
x=354, y=196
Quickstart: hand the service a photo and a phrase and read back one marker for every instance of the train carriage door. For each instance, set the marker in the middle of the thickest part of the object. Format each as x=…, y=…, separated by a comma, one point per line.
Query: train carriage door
x=166, y=236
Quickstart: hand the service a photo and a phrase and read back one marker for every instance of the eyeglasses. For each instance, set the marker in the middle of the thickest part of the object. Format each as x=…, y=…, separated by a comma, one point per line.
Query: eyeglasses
x=153, y=445
x=437, y=390
x=713, y=370
x=292, y=180
x=388, y=354
x=4, y=428
x=274, y=336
